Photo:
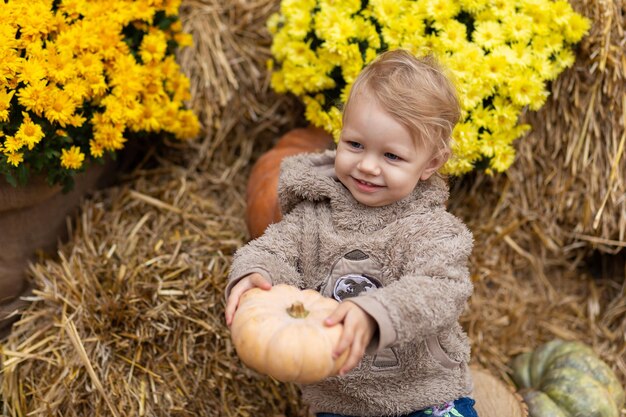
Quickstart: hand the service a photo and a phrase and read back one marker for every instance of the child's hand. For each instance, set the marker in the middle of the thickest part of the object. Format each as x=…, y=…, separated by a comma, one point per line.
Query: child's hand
x=358, y=329
x=253, y=280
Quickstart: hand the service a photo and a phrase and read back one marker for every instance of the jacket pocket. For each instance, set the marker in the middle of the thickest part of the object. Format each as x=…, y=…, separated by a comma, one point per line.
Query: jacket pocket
x=350, y=275
x=439, y=355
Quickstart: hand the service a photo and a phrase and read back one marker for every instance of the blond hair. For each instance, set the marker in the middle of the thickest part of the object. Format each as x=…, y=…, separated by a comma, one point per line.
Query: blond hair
x=413, y=90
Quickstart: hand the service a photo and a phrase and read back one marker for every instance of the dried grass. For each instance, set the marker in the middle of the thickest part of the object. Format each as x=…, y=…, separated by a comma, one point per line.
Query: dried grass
x=229, y=80
x=521, y=300
x=128, y=319
x=568, y=185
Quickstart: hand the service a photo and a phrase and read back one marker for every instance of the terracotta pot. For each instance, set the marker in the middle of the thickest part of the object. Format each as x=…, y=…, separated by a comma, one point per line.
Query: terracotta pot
x=262, y=207
x=33, y=218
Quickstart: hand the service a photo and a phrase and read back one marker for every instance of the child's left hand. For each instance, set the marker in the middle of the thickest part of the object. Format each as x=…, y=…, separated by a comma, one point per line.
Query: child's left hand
x=358, y=329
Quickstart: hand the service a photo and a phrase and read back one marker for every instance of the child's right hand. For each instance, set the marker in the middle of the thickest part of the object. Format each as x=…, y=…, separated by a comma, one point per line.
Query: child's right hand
x=254, y=280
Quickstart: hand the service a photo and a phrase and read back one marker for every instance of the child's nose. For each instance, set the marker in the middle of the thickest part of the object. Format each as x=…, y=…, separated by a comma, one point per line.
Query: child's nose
x=368, y=164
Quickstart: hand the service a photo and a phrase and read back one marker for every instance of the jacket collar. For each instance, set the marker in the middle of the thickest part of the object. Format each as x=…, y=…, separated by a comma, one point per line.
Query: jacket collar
x=312, y=177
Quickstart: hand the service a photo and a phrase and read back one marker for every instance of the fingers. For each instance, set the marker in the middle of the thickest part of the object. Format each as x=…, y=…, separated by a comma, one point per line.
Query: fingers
x=257, y=280
x=357, y=350
x=356, y=334
x=349, y=337
x=337, y=315
x=233, y=301
x=247, y=283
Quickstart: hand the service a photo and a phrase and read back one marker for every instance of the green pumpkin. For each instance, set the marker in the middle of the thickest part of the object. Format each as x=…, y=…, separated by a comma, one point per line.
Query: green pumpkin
x=567, y=379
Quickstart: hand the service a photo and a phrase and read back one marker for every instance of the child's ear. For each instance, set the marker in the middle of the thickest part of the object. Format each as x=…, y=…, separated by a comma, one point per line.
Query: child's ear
x=436, y=161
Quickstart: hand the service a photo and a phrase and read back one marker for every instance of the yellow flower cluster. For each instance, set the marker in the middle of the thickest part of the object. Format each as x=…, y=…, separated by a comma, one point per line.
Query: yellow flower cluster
x=78, y=78
x=500, y=54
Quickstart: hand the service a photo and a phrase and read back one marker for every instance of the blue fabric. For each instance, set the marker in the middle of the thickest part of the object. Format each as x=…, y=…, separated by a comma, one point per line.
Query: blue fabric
x=463, y=407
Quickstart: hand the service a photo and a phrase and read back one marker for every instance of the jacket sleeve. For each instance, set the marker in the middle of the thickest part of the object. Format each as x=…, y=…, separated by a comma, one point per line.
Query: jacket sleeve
x=274, y=255
x=429, y=297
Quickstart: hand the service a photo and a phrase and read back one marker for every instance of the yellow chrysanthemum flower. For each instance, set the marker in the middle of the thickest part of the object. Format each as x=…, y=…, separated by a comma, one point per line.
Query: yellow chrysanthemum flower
x=72, y=158
x=442, y=9
x=12, y=144
x=576, y=27
x=488, y=34
x=98, y=65
x=15, y=158
x=96, y=149
x=518, y=27
x=153, y=47
x=29, y=133
x=188, y=125
x=33, y=97
x=61, y=107
x=5, y=103
x=32, y=70
x=527, y=90
x=514, y=47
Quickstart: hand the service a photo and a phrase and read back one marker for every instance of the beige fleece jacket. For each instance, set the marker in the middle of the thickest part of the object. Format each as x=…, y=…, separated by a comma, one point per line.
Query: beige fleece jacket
x=405, y=264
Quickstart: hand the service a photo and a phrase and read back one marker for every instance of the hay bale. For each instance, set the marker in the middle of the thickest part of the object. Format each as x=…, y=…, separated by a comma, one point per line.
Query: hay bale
x=129, y=319
x=522, y=299
x=229, y=78
x=568, y=184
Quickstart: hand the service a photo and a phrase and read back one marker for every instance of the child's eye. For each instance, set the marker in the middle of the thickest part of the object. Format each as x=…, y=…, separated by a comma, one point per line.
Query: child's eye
x=392, y=156
x=355, y=145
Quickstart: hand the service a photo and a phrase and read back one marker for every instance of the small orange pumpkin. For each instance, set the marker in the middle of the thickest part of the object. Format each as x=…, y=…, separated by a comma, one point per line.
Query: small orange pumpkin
x=262, y=207
x=281, y=332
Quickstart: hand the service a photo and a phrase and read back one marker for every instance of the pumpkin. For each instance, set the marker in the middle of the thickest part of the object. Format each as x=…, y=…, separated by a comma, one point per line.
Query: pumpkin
x=281, y=332
x=262, y=207
x=567, y=379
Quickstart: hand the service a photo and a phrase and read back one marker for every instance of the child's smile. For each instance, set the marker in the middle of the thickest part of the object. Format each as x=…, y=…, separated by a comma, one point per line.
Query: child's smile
x=366, y=186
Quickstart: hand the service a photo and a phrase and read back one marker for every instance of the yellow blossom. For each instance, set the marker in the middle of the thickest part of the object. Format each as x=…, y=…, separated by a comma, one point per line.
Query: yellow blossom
x=5, y=103
x=36, y=21
x=527, y=89
x=96, y=149
x=32, y=71
x=72, y=158
x=488, y=34
x=10, y=63
x=153, y=47
x=76, y=63
x=576, y=27
x=500, y=52
x=149, y=120
x=442, y=9
x=171, y=7
x=61, y=107
x=12, y=144
x=188, y=125
x=29, y=133
x=34, y=97
x=59, y=65
x=183, y=39
x=518, y=27
x=15, y=158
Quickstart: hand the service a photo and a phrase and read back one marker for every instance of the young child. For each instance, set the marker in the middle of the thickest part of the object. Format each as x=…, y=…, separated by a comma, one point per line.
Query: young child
x=366, y=224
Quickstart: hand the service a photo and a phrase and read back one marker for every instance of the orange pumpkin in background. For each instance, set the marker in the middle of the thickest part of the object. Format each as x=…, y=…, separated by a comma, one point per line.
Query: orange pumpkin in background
x=262, y=207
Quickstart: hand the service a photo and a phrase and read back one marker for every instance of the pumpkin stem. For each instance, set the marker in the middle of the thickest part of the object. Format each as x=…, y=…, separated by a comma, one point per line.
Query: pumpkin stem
x=297, y=311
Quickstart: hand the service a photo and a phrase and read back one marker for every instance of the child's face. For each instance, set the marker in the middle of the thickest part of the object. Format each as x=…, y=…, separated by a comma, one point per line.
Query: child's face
x=377, y=160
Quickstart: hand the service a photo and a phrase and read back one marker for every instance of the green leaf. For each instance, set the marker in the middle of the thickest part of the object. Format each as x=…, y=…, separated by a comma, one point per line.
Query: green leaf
x=22, y=174
x=10, y=179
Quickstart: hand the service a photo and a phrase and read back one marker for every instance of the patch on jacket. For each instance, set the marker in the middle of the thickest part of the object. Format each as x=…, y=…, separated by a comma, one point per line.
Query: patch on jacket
x=352, y=285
